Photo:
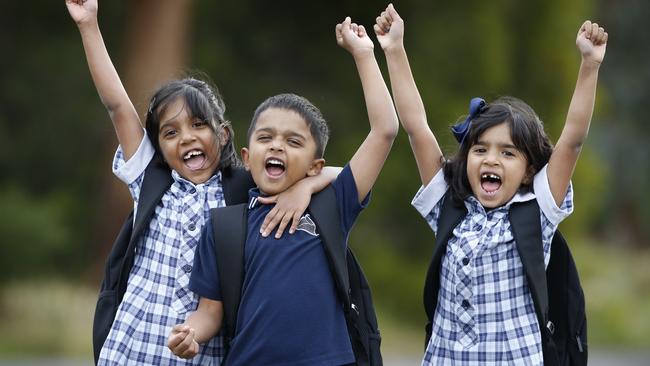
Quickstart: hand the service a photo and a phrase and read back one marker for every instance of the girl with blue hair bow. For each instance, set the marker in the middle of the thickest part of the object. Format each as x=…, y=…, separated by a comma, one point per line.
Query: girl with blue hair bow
x=485, y=313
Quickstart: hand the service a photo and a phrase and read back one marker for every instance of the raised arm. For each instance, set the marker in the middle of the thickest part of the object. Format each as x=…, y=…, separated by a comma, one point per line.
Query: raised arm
x=371, y=155
x=390, y=33
x=591, y=41
x=200, y=327
x=111, y=91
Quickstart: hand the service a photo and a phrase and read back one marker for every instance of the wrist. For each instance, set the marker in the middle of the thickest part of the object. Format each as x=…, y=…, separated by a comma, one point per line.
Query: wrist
x=590, y=64
x=362, y=54
x=89, y=23
x=394, y=50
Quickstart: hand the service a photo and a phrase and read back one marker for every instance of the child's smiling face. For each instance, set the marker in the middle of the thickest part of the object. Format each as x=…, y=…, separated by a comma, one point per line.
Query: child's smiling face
x=496, y=169
x=281, y=151
x=188, y=145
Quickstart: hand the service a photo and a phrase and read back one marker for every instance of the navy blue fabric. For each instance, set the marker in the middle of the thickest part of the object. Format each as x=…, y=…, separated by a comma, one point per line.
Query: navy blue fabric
x=289, y=311
x=461, y=130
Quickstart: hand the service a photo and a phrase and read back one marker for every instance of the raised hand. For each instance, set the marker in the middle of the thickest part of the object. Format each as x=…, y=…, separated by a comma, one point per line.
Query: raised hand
x=389, y=29
x=82, y=11
x=592, y=42
x=353, y=37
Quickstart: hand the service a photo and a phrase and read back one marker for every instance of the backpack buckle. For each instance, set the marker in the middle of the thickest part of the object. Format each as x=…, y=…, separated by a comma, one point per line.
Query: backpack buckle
x=355, y=308
x=551, y=327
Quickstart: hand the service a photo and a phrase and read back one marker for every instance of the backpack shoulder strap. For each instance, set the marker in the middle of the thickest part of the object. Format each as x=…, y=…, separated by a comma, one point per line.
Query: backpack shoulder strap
x=236, y=183
x=229, y=232
x=451, y=213
x=325, y=214
x=527, y=231
x=157, y=179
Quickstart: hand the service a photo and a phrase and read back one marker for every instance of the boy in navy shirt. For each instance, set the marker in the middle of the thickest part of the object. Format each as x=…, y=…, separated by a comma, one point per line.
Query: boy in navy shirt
x=289, y=312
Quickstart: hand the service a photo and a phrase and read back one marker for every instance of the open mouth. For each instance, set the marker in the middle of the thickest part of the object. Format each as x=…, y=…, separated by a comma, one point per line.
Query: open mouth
x=490, y=182
x=194, y=159
x=274, y=167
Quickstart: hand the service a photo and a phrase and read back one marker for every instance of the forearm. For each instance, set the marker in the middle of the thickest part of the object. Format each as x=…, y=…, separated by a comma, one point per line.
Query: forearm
x=110, y=89
x=206, y=320
x=318, y=182
x=381, y=112
x=581, y=108
x=408, y=101
x=410, y=108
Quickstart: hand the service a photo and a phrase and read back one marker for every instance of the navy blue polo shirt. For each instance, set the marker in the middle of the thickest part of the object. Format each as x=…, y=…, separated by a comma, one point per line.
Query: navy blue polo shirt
x=289, y=313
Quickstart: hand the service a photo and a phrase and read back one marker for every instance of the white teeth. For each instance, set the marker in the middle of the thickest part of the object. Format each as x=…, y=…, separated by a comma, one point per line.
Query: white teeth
x=192, y=153
x=275, y=162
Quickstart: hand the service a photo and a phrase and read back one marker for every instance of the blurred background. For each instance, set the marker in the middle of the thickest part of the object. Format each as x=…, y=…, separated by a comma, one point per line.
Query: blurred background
x=61, y=207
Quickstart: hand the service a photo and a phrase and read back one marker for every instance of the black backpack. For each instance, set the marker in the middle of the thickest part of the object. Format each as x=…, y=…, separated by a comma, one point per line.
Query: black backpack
x=229, y=225
x=556, y=291
x=157, y=180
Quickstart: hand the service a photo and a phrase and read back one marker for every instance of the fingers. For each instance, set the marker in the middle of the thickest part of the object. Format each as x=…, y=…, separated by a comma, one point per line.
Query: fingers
x=593, y=32
x=393, y=13
x=185, y=348
x=383, y=22
x=177, y=338
x=271, y=221
x=283, y=224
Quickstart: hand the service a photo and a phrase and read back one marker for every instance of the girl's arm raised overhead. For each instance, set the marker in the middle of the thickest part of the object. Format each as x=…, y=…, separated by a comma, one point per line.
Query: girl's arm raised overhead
x=371, y=155
x=111, y=91
x=591, y=42
x=390, y=33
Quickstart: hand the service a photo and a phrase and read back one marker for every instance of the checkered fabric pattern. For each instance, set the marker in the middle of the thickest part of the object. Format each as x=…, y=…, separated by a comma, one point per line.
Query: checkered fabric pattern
x=157, y=295
x=485, y=313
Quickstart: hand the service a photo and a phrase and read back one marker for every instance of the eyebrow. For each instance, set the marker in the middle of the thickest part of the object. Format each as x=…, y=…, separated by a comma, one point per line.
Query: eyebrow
x=273, y=130
x=501, y=145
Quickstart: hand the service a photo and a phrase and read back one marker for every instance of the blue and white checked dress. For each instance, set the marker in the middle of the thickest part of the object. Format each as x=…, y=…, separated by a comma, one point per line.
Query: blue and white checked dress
x=157, y=295
x=485, y=313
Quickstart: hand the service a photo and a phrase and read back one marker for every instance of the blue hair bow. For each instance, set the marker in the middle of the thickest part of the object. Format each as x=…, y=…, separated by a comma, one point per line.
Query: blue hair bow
x=461, y=130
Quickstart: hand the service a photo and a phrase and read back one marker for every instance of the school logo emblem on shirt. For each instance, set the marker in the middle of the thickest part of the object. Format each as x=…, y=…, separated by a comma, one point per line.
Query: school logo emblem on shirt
x=307, y=225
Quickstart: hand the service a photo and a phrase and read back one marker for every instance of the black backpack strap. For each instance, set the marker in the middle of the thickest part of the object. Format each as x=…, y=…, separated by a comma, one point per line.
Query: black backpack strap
x=236, y=183
x=325, y=214
x=451, y=213
x=527, y=231
x=229, y=232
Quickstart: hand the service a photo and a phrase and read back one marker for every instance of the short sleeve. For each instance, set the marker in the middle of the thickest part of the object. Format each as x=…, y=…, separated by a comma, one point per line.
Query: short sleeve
x=204, y=280
x=347, y=198
x=428, y=199
x=546, y=202
x=131, y=172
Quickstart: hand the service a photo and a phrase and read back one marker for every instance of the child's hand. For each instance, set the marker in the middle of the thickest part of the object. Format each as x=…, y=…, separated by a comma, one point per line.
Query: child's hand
x=353, y=37
x=289, y=206
x=592, y=41
x=181, y=341
x=82, y=11
x=389, y=29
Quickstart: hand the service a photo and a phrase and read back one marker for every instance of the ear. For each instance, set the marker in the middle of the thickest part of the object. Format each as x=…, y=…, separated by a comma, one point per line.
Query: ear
x=316, y=166
x=224, y=135
x=244, y=158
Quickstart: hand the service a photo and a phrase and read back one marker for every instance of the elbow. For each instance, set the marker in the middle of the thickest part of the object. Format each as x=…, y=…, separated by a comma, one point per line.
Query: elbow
x=390, y=132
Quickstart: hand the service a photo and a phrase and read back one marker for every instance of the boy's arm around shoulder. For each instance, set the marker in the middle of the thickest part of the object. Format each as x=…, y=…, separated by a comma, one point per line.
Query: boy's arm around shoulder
x=371, y=155
x=591, y=42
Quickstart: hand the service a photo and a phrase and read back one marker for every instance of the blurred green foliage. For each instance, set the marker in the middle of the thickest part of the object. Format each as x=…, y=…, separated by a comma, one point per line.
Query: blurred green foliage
x=53, y=128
